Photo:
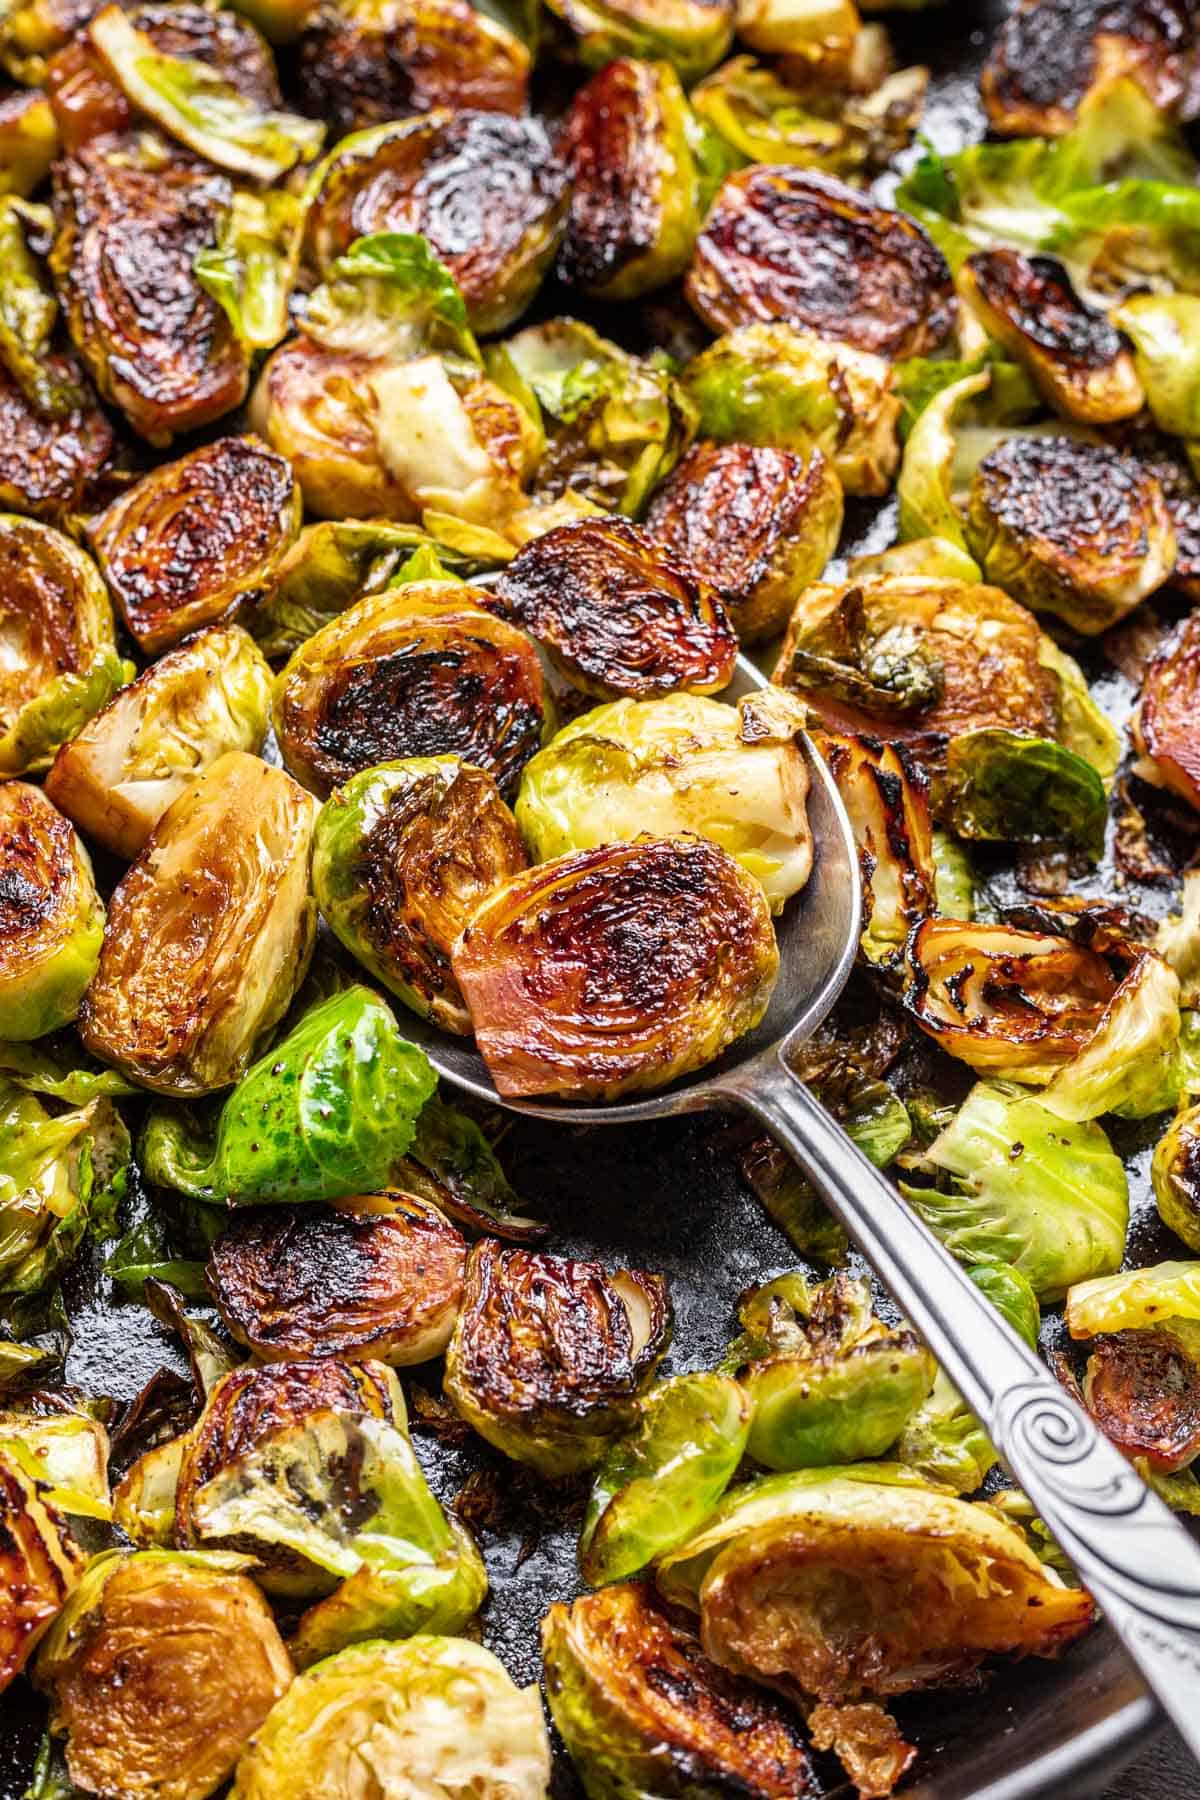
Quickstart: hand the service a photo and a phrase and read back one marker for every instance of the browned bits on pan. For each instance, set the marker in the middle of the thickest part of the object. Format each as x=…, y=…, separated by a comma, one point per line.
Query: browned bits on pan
x=1166, y=726
x=1143, y=1390
x=619, y=615
x=1049, y=53
x=787, y=244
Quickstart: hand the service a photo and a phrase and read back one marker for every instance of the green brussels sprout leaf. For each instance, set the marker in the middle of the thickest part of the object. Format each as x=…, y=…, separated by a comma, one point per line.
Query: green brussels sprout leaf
x=1017, y=788
x=58, y=1174
x=251, y=270
x=451, y=1163
x=27, y=318
x=925, y=484
x=1136, y=1298
x=390, y=296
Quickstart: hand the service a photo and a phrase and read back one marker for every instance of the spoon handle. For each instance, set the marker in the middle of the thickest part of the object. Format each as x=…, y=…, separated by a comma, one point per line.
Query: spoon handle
x=1134, y=1557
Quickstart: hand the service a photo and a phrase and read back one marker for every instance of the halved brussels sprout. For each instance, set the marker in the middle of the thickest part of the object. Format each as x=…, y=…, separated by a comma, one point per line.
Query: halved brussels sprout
x=1071, y=528
x=420, y=670
x=1176, y=1176
x=642, y=1710
x=435, y=1715
x=131, y=222
x=117, y=777
x=251, y=270
x=404, y=855
x=28, y=141
x=692, y=35
x=378, y=1276
x=781, y=243
x=1081, y=364
x=51, y=917
x=196, y=539
x=758, y=523
x=790, y=390
x=60, y=663
x=836, y=1584
x=157, y=1636
x=680, y=763
x=1143, y=1390
x=1133, y=1064
x=209, y=933
x=66, y=1450
x=828, y=1382
x=617, y=969
x=618, y=614
x=1164, y=725
x=329, y=1111
x=1164, y=331
x=886, y=795
x=1013, y=787
x=487, y=192
x=817, y=28
x=1050, y=55
x=47, y=465
x=32, y=29
x=660, y=1480
x=549, y=1356
x=39, y=1566
x=1139, y=1297
x=58, y=1173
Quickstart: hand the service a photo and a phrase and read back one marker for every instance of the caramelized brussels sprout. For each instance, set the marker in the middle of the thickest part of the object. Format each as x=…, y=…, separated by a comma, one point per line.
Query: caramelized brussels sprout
x=692, y=35
x=365, y=62
x=842, y=1583
x=818, y=28
x=33, y=29
x=329, y=1111
x=155, y=1636
x=1164, y=725
x=39, y=1566
x=789, y=244
x=197, y=538
x=438, y=1715
x=251, y=270
x=789, y=390
x=57, y=1174
x=319, y=409
x=486, y=191
x=1143, y=1390
x=47, y=465
x=117, y=777
x=1163, y=328
x=1139, y=1297
x=1131, y=1064
x=404, y=854
x=28, y=141
x=1082, y=365
x=759, y=524
x=677, y=764
x=378, y=1276
x=618, y=615
x=1070, y=528
x=1176, y=1175
x=131, y=222
x=209, y=933
x=677, y=954
x=420, y=670
x=51, y=917
x=1049, y=55
x=886, y=794
x=549, y=1356
x=641, y=1709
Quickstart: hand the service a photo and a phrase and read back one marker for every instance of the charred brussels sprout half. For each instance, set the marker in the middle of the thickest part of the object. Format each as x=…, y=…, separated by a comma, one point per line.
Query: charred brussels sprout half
x=677, y=764
x=549, y=1356
x=48, y=465
x=1070, y=528
x=153, y=1636
x=117, y=777
x=434, y=1715
x=618, y=614
x=642, y=1710
x=759, y=524
x=191, y=542
x=486, y=191
x=318, y=408
x=51, y=917
x=787, y=244
x=618, y=969
x=60, y=663
x=39, y=1565
x=210, y=932
x=1143, y=1390
x=886, y=794
x=131, y=222
x=692, y=35
x=404, y=855
x=377, y=1276
x=1176, y=1175
x=1050, y=54
x=1165, y=730
x=420, y=670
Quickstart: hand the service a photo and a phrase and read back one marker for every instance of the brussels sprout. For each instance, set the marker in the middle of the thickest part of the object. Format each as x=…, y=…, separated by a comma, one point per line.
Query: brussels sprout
x=61, y=663
x=318, y=408
x=662, y=1479
x=404, y=855
x=1143, y=1390
x=39, y=1565
x=680, y=763
x=438, y=1715
x=1138, y=1298
x=680, y=959
x=399, y=1272
x=28, y=141
x=757, y=523
x=32, y=29
x=886, y=795
x=1177, y=941
x=420, y=670
x=815, y=123
x=51, y=917
x=117, y=777
x=390, y=296
x=788, y=390
x=635, y=206
x=1016, y=788
x=1176, y=1175
x=692, y=35
x=1018, y=1185
x=65, y=1451
x=797, y=27
x=47, y=465
x=1082, y=727
x=487, y=192
x=209, y=933
x=928, y=506
x=1130, y=1064
x=1070, y=528
x=828, y=1382
x=1049, y=54
x=548, y=1356
x=642, y=1710
x=788, y=244
x=955, y=879
x=27, y=319
x=131, y=222
x=1163, y=726
x=327, y=1113
x=366, y=62
x=251, y=269
x=1164, y=330
x=153, y=1636
x=59, y=1172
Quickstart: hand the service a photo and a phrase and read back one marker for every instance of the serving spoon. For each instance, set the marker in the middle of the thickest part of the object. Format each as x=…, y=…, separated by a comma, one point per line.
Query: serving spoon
x=1136, y=1559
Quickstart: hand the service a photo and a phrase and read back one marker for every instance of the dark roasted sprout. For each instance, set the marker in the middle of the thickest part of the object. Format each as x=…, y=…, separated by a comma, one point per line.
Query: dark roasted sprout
x=48, y=465
x=690, y=34
x=1143, y=1389
x=40, y=1562
x=1166, y=731
x=1049, y=55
